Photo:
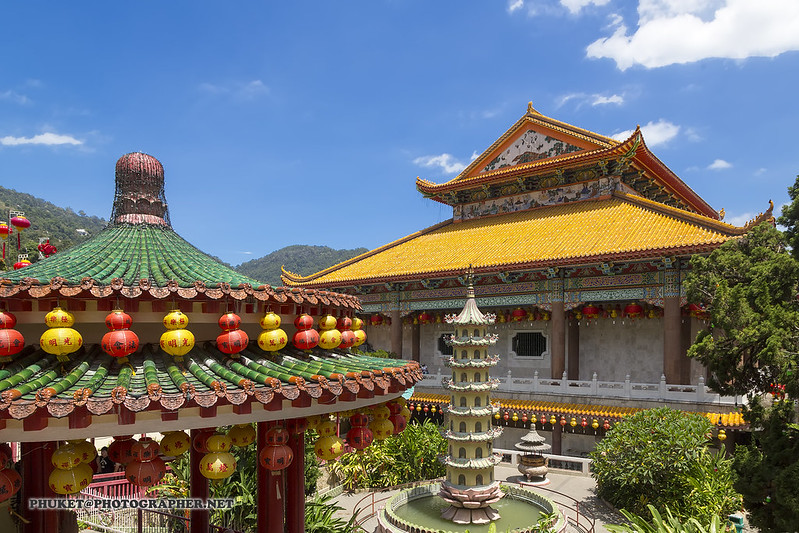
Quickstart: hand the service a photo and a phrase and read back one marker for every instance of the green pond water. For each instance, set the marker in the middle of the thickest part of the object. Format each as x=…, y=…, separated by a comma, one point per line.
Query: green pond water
x=516, y=514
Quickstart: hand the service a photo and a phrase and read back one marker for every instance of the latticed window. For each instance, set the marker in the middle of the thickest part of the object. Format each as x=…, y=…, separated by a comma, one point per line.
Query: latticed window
x=442, y=346
x=529, y=344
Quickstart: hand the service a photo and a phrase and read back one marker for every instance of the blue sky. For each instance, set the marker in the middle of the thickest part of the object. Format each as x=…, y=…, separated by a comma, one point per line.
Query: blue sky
x=308, y=123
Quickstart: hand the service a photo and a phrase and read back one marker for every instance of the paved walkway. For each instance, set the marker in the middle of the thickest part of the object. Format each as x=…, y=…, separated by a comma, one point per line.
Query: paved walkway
x=579, y=487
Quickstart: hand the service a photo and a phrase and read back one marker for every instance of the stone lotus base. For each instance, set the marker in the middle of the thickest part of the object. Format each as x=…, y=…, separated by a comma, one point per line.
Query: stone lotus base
x=534, y=468
x=470, y=506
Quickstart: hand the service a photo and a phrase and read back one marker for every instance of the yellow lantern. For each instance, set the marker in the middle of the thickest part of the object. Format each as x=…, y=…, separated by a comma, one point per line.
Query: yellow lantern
x=177, y=342
x=722, y=435
x=218, y=443
x=327, y=322
x=573, y=422
x=60, y=339
x=59, y=318
x=515, y=417
x=218, y=463
x=497, y=416
x=175, y=443
x=65, y=457
x=175, y=320
x=241, y=435
x=405, y=413
x=329, y=339
x=326, y=428
x=595, y=424
x=381, y=412
x=270, y=321
x=360, y=337
x=70, y=481
x=328, y=448
x=314, y=421
x=381, y=428
x=272, y=340
x=85, y=450
x=553, y=420
x=357, y=323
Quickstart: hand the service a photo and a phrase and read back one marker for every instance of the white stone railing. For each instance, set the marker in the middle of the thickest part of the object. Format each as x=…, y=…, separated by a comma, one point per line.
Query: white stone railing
x=626, y=389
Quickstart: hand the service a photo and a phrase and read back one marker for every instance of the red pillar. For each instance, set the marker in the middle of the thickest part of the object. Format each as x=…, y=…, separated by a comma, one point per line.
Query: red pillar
x=198, y=488
x=295, y=486
x=396, y=332
x=271, y=492
x=558, y=343
x=574, y=350
x=672, y=356
x=36, y=468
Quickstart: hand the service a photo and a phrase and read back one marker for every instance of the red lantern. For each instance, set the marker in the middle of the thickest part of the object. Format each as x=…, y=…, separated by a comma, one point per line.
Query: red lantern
x=10, y=483
x=303, y=322
x=11, y=342
x=343, y=323
x=7, y=320
x=506, y=416
x=276, y=457
x=119, y=451
x=118, y=319
x=348, y=339
x=277, y=435
x=584, y=422
x=376, y=320
x=633, y=311
x=360, y=437
x=606, y=425
x=21, y=264
x=562, y=420
x=4, y=231
x=120, y=343
x=524, y=416
x=21, y=223
x=232, y=341
x=305, y=339
x=146, y=449
x=229, y=321
x=518, y=314
x=359, y=420
x=590, y=312
x=543, y=420
x=424, y=317
x=145, y=473
x=200, y=442
x=399, y=423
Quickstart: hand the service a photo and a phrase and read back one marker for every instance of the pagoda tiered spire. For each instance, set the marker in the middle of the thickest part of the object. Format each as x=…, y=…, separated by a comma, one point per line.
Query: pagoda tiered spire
x=470, y=487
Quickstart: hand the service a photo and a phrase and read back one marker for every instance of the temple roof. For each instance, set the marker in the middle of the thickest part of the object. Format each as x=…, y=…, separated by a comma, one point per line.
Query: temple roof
x=618, y=227
x=35, y=386
x=540, y=145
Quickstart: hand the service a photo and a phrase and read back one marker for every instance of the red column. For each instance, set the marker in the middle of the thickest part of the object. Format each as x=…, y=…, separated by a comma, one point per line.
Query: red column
x=271, y=492
x=396, y=332
x=558, y=342
x=36, y=468
x=574, y=350
x=672, y=356
x=198, y=488
x=295, y=486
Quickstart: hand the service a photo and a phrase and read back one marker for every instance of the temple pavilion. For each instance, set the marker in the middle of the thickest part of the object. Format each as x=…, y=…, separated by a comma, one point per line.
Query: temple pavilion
x=580, y=245
x=183, y=372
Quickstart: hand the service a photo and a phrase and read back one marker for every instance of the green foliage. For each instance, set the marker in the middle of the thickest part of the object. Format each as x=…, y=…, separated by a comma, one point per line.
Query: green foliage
x=379, y=353
x=659, y=457
x=410, y=456
x=300, y=259
x=768, y=469
x=311, y=465
x=790, y=217
x=748, y=286
x=320, y=517
x=47, y=220
x=670, y=524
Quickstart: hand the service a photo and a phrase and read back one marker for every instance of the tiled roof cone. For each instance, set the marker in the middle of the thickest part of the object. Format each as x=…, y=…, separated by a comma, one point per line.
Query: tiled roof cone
x=470, y=487
x=139, y=197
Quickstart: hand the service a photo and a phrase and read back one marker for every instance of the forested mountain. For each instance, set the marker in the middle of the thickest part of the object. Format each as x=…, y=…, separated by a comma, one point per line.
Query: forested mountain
x=60, y=224
x=300, y=259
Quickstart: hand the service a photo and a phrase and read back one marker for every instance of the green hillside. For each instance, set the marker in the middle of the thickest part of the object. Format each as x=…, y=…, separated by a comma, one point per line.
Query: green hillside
x=300, y=259
x=47, y=220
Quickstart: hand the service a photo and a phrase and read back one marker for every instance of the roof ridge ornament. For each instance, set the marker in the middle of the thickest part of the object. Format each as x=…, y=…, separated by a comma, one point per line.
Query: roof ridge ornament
x=531, y=110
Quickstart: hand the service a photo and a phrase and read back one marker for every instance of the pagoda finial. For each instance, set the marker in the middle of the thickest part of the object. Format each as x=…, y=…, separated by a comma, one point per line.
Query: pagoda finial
x=470, y=282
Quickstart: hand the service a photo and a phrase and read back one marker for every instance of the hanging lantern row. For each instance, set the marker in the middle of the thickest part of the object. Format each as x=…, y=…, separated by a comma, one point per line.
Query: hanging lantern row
x=10, y=480
x=726, y=419
x=695, y=311
x=379, y=320
x=631, y=311
x=507, y=415
x=11, y=341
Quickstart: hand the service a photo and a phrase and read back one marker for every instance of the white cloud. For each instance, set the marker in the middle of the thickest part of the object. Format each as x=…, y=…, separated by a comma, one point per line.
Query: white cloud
x=739, y=220
x=760, y=171
x=513, y=5
x=683, y=31
x=49, y=139
x=447, y=162
x=238, y=90
x=719, y=164
x=592, y=99
x=14, y=97
x=575, y=6
x=654, y=133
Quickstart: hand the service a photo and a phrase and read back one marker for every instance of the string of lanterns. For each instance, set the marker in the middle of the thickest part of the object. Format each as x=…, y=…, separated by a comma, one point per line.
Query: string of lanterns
x=60, y=339
x=11, y=341
x=232, y=340
x=177, y=341
x=272, y=338
x=120, y=341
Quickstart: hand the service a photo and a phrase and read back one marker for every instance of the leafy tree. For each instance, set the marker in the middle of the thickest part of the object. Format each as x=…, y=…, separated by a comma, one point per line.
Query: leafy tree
x=660, y=457
x=749, y=286
x=410, y=456
x=790, y=217
x=300, y=259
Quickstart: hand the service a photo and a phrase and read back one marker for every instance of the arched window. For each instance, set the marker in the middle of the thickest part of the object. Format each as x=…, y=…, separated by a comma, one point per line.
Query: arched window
x=463, y=401
x=461, y=480
x=479, y=479
x=463, y=376
x=464, y=354
x=478, y=427
x=478, y=453
x=462, y=453
x=462, y=427
x=477, y=401
x=465, y=332
x=477, y=333
x=477, y=376
x=477, y=354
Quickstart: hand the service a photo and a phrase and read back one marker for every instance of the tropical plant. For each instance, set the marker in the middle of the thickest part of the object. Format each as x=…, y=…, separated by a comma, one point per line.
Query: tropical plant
x=321, y=517
x=410, y=456
x=657, y=457
x=379, y=353
x=670, y=524
x=311, y=465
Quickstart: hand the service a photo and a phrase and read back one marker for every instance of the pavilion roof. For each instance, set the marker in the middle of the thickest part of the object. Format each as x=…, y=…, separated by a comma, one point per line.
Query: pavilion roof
x=617, y=227
x=35, y=386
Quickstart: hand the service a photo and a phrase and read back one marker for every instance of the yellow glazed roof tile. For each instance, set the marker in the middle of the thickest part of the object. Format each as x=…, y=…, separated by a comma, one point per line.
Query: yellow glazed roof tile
x=575, y=233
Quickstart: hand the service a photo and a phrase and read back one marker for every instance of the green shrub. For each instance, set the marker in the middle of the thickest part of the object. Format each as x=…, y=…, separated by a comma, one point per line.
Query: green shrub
x=659, y=457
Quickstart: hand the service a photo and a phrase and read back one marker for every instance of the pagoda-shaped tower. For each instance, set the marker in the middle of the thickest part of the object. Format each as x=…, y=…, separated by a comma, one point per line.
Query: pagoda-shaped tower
x=470, y=487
